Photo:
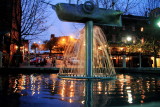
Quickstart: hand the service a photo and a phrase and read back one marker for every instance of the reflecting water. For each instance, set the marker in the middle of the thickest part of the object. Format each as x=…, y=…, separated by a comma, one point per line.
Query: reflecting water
x=46, y=90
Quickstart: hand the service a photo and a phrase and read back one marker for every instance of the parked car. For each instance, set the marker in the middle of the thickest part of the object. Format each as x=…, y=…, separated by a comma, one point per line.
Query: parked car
x=41, y=61
x=73, y=60
x=38, y=61
x=33, y=61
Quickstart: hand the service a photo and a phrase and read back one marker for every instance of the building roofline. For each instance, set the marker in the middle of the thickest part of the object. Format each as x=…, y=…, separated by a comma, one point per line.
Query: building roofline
x=132, y=17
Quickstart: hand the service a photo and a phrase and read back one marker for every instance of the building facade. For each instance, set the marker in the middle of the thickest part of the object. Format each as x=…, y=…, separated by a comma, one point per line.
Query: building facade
x=125, y=42
x=61, y=44
x=10, y=28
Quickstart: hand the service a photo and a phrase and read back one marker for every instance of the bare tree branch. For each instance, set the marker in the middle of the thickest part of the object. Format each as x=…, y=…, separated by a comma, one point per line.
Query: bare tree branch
x=34, y=17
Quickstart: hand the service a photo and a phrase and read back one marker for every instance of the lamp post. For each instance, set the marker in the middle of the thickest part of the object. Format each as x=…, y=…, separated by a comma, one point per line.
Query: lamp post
x=128, y=39
x=140, y=59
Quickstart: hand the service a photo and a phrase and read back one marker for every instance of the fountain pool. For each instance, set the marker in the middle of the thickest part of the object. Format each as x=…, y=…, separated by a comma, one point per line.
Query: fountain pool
x=46, y=90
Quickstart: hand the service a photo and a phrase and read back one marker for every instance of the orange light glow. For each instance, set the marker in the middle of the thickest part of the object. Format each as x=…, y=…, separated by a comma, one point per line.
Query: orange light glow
x=142, y=29
x=16, y=47
x=139, y=49
x=121, y=49
x=63, y=40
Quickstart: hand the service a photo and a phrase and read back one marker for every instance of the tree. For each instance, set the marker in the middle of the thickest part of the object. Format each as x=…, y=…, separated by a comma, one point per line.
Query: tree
x=152, y=41
x=51, y=43
x=123, y=5
x=34, y=46
x=34, y=17
x=151, y=33
x=146, y=6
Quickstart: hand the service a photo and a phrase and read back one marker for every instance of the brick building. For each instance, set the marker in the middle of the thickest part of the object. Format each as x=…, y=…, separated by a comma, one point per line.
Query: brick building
x=10, y=27
x=121, y=40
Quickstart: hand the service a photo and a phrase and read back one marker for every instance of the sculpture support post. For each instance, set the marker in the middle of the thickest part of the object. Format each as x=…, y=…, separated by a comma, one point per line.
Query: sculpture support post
x=89, y=93
x=89, y=48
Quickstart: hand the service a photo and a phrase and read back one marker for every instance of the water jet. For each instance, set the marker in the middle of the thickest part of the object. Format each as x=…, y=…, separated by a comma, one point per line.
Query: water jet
x=91, y=49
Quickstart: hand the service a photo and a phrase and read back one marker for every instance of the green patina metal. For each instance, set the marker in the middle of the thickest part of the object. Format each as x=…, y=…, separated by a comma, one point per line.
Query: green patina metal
x=83, y=13
x=89, y=49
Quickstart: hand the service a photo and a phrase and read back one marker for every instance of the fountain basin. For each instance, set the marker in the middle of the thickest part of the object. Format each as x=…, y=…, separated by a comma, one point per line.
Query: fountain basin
x=46, y=90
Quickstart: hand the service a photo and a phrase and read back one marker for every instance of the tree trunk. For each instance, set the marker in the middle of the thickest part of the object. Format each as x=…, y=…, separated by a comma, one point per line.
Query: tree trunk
x=155, y=62
x=35, y=51
x=155, y=57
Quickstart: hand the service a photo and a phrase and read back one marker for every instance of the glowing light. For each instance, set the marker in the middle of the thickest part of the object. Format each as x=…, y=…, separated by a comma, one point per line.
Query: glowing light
x=83, y=102
x=142, y=29
x=71, y=36
x=63, y=40
x=16, y=47
x=130, y=99
x=139, y=49
x=158, y=24
x=70, y=100
x=129, y=38
x=100, y=48
x=121, y=48
x=26, y=49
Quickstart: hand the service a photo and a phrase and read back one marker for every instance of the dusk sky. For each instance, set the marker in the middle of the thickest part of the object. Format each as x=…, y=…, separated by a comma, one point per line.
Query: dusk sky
x=58, y=27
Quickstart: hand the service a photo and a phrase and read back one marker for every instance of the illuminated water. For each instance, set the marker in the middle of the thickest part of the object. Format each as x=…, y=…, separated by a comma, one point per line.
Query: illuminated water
x=46, y=90
x=102, y=63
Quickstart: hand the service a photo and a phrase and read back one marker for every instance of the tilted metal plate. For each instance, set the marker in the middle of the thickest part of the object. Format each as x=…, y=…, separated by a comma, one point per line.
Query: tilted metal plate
x=76, y=13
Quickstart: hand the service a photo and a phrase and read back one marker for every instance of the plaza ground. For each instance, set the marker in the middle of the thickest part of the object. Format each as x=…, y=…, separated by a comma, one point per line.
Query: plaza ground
x=25, y=67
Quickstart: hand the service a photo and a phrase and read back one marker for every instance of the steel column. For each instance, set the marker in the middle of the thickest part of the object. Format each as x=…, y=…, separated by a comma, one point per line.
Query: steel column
x=89, y=49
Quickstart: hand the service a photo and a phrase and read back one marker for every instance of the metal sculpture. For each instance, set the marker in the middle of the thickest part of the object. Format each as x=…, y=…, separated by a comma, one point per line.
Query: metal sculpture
x=89, y=14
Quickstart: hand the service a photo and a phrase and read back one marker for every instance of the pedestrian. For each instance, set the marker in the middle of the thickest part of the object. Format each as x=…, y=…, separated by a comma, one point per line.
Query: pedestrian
x=54, y=62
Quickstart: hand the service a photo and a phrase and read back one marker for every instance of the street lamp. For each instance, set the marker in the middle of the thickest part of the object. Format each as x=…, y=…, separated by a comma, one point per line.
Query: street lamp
x=158, y=23
x=129, y=38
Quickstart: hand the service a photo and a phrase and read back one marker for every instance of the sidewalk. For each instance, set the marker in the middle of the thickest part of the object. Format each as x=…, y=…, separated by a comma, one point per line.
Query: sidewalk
x=48, y=68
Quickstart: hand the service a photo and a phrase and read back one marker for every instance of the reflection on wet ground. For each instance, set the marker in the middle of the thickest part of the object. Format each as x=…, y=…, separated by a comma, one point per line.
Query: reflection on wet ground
x=46, y=90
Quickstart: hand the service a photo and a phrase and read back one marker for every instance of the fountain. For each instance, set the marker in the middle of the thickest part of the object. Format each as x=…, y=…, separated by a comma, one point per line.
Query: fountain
x=91, y=49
